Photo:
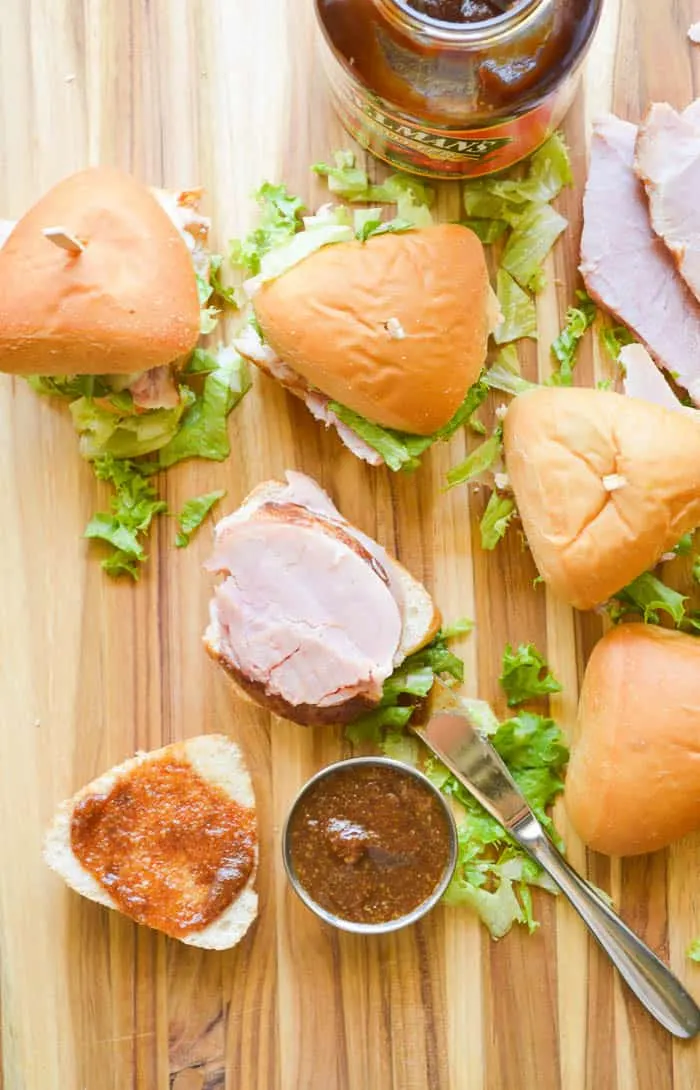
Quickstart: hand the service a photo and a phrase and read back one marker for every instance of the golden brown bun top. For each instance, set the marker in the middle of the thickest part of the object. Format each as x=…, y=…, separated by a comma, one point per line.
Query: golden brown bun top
x=589, y=542
x=327, y=318
x=127, y=303
x=633, y=783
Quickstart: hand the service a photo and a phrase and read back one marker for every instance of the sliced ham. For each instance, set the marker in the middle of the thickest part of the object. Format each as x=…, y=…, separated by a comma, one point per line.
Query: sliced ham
x=625, y=266
x=306, y=612
x=668, y=163
x=155, y=389
x=643, y=378
x=251, y=347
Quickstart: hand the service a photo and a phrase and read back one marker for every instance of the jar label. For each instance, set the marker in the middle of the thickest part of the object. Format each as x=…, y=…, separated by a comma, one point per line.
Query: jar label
x=446, y=152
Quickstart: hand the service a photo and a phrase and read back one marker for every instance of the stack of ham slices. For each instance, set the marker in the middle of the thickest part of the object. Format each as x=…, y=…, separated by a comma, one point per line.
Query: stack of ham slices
x=640, y=250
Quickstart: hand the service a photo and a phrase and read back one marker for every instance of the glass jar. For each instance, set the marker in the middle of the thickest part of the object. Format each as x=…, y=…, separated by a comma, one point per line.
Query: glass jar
x=454, y=99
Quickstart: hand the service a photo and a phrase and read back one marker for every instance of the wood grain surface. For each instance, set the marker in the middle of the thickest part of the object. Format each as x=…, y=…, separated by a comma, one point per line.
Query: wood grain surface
x=227, y=93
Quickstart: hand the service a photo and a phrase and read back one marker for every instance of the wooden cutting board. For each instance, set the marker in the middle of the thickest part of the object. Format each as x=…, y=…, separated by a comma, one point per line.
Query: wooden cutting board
x=227, y=93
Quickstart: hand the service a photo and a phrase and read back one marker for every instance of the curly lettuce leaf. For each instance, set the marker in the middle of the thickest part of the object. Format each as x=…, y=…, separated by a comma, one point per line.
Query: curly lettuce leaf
x=564, y=348
x=525, y=675
x=478, y=461
x=193, y=514
x=133, y=507
x=518, y=310
x=495, y=520
x=648, y=597
x=614, y=338
x=203, y=432
x=279, y=219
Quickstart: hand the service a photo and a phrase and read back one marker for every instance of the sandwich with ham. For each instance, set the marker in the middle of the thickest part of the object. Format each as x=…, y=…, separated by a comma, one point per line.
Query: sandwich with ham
x=169, y=838
x=605, y=485
x=311, y=616
x=633, y=783
x=382, y=336
x=106, y=287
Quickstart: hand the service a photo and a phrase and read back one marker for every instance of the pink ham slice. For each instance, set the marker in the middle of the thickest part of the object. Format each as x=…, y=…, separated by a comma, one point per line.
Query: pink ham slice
x=668, y=163
x=626, y=267
x=306, y=611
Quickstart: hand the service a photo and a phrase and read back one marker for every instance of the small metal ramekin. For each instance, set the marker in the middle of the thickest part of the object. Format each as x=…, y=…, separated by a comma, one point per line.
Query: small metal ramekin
x=389, y=925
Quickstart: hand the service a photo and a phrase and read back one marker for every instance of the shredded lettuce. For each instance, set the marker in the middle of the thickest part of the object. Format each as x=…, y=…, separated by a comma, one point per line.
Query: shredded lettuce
x=400, y=450
x=346, y=180
x=564, y=348
x=193, y=515
x=532, y=238
x=525, y=675
x=203, y=432
x=693, y=950
x=614, y=338
x=126, y=433
x=495, y=520
x=479, y=461
x=487, y=231
x=300, y=246
x=278, y=221
x=648, y=597
x=132, y=510
x=504, y=373
x=518, y=310
x=372, y=227
x=71, y=386
x=407, y=687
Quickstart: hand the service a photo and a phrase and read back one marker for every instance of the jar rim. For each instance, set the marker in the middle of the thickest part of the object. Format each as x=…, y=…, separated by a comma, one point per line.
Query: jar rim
x=473, y=32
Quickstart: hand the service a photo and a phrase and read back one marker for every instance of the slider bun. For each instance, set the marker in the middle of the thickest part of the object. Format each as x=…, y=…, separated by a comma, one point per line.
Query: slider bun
x=216, y=759
x=589, y=542
x=127, y=303
x=633, y=783
x=326, y=318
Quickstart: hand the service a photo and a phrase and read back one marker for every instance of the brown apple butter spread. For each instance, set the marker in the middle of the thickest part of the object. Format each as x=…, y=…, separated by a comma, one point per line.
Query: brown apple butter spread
x=460, y=11
x=171, y=849
x=369, y=843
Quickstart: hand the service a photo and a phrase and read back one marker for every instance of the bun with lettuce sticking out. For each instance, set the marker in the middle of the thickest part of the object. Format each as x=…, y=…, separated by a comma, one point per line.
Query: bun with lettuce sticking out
x=380, y=327
x=105, y=289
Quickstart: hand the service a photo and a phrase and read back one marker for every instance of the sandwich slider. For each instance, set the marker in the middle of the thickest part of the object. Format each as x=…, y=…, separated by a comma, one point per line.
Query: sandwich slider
x=311, y=616
x=633, y=783
x=605, y=484
x=169, y=838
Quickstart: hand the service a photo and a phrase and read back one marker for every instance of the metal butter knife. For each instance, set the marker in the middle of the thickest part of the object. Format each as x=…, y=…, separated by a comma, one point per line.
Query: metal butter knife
x=476, y=764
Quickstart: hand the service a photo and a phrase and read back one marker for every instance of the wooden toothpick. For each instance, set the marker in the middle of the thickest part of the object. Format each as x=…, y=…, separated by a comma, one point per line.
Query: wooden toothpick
x=63, y=238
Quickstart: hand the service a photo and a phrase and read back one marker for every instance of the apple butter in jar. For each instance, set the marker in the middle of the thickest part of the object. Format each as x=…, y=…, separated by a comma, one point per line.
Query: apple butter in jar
x=454, y=88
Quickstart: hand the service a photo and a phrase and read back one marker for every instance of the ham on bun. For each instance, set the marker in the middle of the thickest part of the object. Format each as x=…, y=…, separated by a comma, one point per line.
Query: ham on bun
x=605, y=485
x=382, y=339
x=312, y=616
x=633, y=783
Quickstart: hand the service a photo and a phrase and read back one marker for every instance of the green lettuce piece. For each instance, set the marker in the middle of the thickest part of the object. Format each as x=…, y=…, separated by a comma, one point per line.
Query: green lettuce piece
x=372, y=227
x=647, y=596
x=488, y=231
x=203, y=432
x=462, y=627
x=535, y=233
x=132, y=510
x=518, y=310
x=505, y=198
x=550, y=170
x=400, y=450
x=193, y=515
x=495, y=520
x=278, y=221
x=349, y=182
x=337, y=215
x=614, y=338
x=283, y=257
x=684, y=546
x=564, y=348
x=218, y=288
x=525, y=675
x=71, y=386
x=479, y=461
x=405, y=689
x=504, y=373
x=344, y=178
x=126, y=434
x=693, y=951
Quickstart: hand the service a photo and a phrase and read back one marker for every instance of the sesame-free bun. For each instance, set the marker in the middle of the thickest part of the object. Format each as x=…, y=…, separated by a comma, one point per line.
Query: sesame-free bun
x=329, y=318
x=127, y=303
x=605, y=484
x=633, y=783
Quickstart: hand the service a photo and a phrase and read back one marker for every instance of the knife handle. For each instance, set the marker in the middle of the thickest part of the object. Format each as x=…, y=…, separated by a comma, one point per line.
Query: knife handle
x=651, y=981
